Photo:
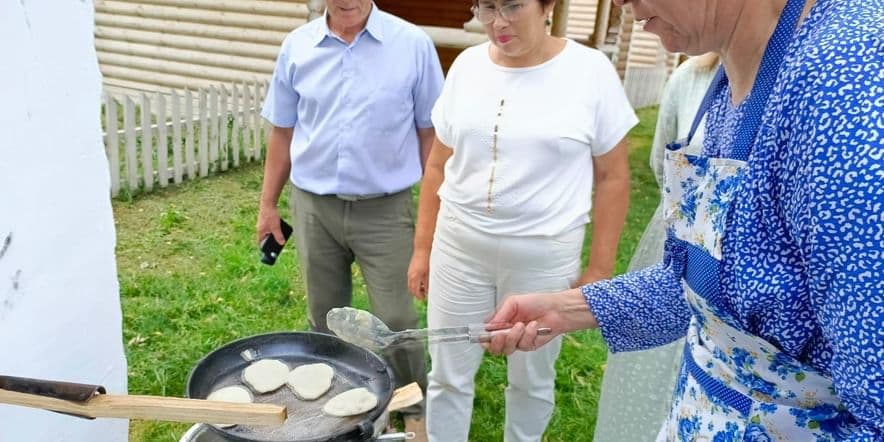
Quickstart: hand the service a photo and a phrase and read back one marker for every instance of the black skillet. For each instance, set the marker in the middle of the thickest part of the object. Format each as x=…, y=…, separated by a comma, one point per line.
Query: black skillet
x=354, y=367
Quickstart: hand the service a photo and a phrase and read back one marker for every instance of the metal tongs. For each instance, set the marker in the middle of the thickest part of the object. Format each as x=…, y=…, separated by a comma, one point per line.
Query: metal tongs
x=364, y=329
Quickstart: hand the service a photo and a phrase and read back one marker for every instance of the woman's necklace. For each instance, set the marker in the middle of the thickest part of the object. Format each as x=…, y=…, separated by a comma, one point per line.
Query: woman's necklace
x=489, y=207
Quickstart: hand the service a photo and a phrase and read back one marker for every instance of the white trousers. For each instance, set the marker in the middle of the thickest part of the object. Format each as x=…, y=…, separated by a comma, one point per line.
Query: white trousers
x=471, y=273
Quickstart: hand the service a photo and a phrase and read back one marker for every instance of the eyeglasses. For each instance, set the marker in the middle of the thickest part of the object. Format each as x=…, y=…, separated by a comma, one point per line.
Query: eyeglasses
x=487, y=14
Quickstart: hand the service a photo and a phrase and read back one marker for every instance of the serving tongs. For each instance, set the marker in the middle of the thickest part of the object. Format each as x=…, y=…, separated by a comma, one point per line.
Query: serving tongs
x=92, y=401
x=366, y=330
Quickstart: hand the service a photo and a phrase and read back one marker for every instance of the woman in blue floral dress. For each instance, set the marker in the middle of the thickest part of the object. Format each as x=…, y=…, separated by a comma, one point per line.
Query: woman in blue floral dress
x=773, y=264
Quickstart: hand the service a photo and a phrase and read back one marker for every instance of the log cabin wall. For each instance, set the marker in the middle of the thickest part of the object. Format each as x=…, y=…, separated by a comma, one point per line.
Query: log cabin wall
x=152, y=45
x=581, y=19
x=172, y=44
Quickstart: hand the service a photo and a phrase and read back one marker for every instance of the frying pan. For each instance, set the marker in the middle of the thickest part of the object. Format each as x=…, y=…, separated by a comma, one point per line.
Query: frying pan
x=354, y=367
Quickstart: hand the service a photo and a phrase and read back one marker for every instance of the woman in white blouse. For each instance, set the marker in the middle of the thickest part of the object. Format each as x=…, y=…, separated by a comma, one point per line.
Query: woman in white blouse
x=526, y=125
x=637, y=386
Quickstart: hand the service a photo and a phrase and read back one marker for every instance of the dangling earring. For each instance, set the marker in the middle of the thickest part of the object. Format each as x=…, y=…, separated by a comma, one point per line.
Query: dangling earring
x=548, y=21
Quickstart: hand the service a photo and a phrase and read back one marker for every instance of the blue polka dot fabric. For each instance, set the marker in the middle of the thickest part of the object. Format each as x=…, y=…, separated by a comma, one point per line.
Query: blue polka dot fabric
x=803, y=264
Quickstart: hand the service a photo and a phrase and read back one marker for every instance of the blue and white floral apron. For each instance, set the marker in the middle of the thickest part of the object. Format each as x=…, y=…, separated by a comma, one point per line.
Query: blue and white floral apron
x=734, y=386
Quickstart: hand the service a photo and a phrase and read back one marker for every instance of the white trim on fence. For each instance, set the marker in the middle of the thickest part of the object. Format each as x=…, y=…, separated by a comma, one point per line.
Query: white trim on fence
x=217, y=133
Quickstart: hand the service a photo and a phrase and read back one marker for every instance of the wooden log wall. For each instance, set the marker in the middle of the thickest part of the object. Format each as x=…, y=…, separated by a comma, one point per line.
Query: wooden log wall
x=581, y=19
x=154, y=45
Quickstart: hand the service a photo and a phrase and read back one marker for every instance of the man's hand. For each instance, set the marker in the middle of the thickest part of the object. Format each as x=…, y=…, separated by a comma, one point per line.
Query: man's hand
x=419, y=275
x=562, y=312
x=276, y=172
x=268, y=223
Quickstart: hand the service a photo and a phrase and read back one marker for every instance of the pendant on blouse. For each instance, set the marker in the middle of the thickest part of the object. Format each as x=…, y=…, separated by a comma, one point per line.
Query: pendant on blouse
x=494, y=155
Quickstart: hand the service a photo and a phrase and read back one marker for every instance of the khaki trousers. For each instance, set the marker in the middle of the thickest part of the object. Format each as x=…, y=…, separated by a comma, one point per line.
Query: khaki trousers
x=378, y=233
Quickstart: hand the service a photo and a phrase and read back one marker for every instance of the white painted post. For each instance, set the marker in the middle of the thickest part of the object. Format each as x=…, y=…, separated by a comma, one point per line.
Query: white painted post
x=256, y=140
x=162, y=141
x=223, y=125
x=235, y=133
x=146, y=143
x=112, y=145
x=213, y=129
x=244, y=116
x=176, y=137
x=204, y=134
x=131, y=153
x=189, y=155
x=560, y=18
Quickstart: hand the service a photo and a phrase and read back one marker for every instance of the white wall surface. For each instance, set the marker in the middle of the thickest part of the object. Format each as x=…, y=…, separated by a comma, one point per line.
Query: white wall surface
x=60, y=312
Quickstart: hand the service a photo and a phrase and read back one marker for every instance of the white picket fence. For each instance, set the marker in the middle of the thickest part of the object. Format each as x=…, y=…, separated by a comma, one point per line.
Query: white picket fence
x=644, y=85
x=166, y=138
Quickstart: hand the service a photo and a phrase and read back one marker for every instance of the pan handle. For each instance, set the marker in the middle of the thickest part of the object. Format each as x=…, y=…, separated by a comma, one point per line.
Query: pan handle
x=68, y=391
x=366, y=429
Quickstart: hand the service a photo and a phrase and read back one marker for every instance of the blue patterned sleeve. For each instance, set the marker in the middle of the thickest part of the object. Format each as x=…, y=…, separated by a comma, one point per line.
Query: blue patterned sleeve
x=834, y=201
x=642, y=309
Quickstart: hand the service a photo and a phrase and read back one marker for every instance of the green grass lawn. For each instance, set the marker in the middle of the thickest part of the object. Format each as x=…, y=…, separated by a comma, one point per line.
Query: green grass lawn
x=190, y=281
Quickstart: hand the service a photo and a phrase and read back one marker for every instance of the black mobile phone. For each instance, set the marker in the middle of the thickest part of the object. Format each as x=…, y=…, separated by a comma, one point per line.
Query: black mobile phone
x=270, y=249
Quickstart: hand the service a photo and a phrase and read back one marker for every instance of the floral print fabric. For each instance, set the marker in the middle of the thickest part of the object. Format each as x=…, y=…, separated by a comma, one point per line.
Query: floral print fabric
x=704, y=186
x=801, y=262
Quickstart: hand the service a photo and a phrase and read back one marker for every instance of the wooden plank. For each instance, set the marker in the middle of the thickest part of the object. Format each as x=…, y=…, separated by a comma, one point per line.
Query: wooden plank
x=644, y=85
x=141, y=79
x=454, y=37
x=286, y=8
x=244, y=117
x=131, y=152
x=257, y=137
x=159, y=67
x=560, y=18
x=154, y=408
x=176, y=138
x=235, y=133
x=601, y=24
x=112, y=145
x=203, y=16
x=104, y=22
x=189, y=56
x=146, y=143
x=224, y=126
x=213, y=129
x=189, y=155
x=105, y=35
x=162, y=141
x=204, y=134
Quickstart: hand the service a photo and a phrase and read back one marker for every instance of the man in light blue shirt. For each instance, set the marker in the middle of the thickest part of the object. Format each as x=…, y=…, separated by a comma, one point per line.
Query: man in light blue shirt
x=350, y=105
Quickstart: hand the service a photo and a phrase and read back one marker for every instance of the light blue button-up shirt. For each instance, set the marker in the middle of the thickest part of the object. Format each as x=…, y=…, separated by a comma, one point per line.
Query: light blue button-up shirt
x=355, y=108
